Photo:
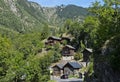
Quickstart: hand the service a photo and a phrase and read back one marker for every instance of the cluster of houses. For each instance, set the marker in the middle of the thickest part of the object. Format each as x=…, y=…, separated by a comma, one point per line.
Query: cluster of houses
x=67, y=65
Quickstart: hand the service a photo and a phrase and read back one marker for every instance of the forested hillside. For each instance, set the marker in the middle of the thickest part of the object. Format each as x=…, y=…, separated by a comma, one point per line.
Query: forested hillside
x=22, y=15
x=13, y=15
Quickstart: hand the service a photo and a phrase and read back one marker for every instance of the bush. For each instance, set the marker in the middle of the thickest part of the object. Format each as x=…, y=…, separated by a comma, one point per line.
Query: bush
x=78, y=56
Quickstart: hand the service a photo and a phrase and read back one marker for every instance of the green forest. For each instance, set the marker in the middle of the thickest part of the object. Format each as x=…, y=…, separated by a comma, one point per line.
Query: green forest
x=22, y=36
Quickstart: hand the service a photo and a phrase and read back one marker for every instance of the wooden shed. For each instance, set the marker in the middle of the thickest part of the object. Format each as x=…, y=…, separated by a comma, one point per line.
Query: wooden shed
x=86, y=53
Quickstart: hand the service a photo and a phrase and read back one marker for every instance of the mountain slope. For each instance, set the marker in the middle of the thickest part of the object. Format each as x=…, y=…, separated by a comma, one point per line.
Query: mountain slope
x=23, y=15
x=71, y=11
x=17, y=14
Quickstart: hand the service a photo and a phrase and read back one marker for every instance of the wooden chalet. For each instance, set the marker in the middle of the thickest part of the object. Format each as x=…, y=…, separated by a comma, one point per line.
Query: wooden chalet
x=86, y=53
x=58, y=69
x=68, y=52
x=52, y=40
x=70, y=68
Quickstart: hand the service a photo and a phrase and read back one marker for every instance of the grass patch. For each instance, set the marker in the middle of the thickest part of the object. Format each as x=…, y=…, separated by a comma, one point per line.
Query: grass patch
x=51, y=81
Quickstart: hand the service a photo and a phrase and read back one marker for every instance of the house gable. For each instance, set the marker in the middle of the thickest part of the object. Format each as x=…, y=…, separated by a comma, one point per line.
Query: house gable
x=71, y=67
x=52, y=40
x=68, y=50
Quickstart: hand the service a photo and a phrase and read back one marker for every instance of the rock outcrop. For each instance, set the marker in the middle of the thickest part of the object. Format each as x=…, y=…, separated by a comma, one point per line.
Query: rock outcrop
x=107, y=63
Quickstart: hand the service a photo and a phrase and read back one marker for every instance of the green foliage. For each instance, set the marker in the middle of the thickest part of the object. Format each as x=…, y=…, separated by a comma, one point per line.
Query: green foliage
x=109, y=20
x=56, y=52
x=90, y=69
x=67, y=24
x=52, y=81
x=76, y=30
x=108, y=17
x=71, y=11
x=78, y=56
x=82, y=46
x=90, y=27
x=84, y=33
x=56, y=57
x=114, y=55
x=45, y=32
x=18, y=59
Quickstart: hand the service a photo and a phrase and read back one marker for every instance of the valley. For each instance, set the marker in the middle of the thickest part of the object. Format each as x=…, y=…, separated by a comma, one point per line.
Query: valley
x=66, y=41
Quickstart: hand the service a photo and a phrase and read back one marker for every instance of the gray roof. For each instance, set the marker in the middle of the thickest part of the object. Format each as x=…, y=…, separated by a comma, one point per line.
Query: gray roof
x=60, y=66
x=88, y=49
x=65, y=38
x=75, y=65
x=54, y=37
x=69, y=46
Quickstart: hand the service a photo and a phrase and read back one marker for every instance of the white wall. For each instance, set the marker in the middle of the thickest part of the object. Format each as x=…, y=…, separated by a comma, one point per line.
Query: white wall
x=68, y=58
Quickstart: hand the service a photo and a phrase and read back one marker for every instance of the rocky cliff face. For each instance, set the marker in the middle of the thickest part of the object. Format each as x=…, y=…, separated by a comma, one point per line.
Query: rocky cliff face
x=105, y=73
x=12, y=5
x=106, y=63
